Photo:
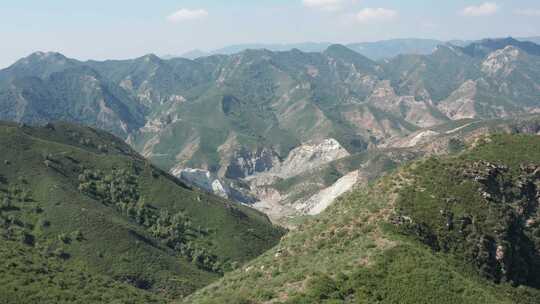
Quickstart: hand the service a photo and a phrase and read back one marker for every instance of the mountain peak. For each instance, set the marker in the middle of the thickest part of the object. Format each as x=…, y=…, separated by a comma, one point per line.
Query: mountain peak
x=40, y=64
x=150, y=58
x=339, y=49
x=341, y=52
x=48, y=57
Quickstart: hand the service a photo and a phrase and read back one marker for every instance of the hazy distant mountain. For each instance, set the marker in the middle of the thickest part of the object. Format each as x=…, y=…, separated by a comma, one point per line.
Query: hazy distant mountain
x=237, y=48
x=305, y=47
x=374, y=50
x=391, y=48
x=531, y=39
x=194, y=54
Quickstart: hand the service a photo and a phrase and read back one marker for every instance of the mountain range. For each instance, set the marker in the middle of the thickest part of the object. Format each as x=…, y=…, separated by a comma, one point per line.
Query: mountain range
x=378, y=50
x=409, y=179
x=238, y=115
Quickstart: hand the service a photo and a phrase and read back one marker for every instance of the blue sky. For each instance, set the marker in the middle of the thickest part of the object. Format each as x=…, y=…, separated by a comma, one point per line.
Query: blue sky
x=100, y=29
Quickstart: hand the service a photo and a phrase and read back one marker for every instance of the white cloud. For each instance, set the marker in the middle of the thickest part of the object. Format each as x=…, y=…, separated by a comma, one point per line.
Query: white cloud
x=327, y=5
x=528, y=12
x=369, y=15
x=187, y=15
x=484, y=9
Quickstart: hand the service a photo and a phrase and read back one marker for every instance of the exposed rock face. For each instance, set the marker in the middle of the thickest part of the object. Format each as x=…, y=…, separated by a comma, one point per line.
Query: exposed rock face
x=208, y=182
x=501, y=61
x=260, y=170
x=311, y=192
x=302, y=159
x=322, y=200
x=362, y=118
x=202, y=179
x=461, y=103
x=415, y=139
x=309, y=156
x=416, y=112
x=246, y=163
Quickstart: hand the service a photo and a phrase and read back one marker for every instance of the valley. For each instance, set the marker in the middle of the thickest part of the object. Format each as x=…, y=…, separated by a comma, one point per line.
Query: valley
x=273, y=176
x=438, y=230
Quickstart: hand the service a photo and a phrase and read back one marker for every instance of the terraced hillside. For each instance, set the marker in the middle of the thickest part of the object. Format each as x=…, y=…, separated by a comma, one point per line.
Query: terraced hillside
x=85, y=219
x=452, y=229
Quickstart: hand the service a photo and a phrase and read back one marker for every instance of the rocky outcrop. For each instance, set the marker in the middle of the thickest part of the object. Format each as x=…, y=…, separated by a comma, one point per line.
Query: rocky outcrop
x=245, y=163
x=501, y=61
x=308, y=156
x=202, y=179
x=515, y=242
x=210, y=183
x=500, y=236
x=322, y=200
x=417, y=112
x=259, y=171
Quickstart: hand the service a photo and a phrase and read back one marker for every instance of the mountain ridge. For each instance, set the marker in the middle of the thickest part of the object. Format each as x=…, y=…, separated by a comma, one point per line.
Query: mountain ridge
x=241, y=115
x=376, y=50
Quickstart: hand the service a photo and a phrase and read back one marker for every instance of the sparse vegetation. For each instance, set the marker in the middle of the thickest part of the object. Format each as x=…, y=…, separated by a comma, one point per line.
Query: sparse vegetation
x=400, y=240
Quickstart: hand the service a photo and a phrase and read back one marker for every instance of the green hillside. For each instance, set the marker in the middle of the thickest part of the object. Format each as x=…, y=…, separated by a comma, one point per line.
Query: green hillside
x=460, y=229
x=85, y=219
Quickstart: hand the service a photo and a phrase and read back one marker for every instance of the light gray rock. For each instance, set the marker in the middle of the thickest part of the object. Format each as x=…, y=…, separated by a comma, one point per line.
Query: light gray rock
x=309, y=156
x=208, y=182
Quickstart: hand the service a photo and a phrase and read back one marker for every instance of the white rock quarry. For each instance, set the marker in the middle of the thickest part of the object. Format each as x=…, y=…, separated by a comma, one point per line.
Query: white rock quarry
x=322, y=200
x=262, y=195
x=202, y=179
x=259, y=170
x=301, y=159
x=209, y=182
